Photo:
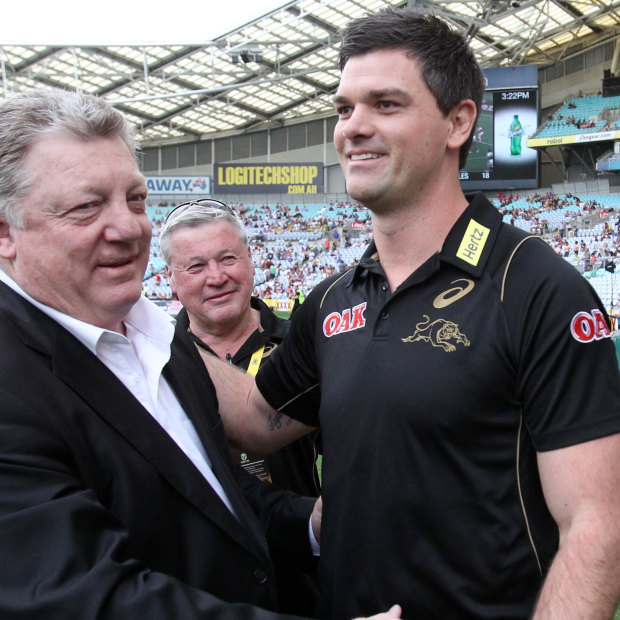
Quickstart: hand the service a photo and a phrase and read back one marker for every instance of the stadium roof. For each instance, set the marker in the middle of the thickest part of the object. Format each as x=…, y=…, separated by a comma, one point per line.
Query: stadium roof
x=283, y=65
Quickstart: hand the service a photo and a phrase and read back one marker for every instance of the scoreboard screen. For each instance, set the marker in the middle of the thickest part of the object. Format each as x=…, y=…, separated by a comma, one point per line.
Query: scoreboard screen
x=499, y=157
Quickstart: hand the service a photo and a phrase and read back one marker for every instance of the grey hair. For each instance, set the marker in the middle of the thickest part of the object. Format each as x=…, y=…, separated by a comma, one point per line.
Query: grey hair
x=192, y=216
x=29, y=116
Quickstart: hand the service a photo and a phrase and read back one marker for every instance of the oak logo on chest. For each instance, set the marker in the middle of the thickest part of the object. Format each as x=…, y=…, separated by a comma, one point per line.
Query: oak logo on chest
x=345, y=321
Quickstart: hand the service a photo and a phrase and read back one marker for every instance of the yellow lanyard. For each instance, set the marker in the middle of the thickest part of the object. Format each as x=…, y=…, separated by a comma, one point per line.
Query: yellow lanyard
x=257, y=357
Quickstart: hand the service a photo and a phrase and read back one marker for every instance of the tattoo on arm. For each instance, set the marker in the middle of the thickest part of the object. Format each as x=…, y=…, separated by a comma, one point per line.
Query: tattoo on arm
x=274, y=422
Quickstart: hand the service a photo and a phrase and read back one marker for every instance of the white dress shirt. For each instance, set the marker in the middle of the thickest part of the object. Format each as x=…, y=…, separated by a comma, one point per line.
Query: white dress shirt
x=137, y=360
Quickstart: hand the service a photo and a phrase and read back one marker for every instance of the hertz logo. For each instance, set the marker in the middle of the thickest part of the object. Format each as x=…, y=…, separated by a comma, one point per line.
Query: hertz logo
x=473, y=243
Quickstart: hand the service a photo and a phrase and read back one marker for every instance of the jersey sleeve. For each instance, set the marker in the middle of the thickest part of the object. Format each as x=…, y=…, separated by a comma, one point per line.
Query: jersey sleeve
x=288, y=378
x=567, y=372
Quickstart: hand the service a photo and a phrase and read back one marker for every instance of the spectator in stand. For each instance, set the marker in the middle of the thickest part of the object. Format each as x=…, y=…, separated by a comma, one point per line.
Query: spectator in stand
x=209, y=264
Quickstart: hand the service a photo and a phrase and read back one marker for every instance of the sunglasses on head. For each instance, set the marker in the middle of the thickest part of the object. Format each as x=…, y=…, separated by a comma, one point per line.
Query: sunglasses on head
x=202, y=202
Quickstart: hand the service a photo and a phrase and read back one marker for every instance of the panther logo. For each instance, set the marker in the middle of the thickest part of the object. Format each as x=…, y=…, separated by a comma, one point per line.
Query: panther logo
x=439, y=333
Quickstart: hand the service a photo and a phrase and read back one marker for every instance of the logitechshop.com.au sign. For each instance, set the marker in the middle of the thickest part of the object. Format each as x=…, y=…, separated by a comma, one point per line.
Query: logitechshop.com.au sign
x=304, y=178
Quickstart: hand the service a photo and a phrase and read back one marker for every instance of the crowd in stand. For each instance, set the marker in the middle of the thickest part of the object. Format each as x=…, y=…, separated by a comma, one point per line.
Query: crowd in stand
x=542, y=203
x=580, y=123
x=291, y=249
x=295, y=250
x=589, y=247
x=605, y=243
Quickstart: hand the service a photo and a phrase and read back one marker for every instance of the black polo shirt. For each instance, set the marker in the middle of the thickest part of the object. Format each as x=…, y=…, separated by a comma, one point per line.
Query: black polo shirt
x=433, y=401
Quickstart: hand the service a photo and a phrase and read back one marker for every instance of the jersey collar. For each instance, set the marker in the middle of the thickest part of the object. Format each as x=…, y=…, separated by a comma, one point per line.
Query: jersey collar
x=368, y=263
x=469, y=243
x=467, y=246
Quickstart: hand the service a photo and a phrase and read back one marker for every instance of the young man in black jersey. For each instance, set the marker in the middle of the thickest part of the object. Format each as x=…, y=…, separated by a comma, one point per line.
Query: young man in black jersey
x=462, y=374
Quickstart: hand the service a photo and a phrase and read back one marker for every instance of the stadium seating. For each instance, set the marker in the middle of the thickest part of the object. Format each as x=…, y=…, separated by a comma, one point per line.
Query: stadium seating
x=582, y=228
x=566, y=120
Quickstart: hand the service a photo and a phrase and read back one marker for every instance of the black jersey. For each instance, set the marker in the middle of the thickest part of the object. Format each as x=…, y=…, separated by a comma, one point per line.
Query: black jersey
x=433, y=401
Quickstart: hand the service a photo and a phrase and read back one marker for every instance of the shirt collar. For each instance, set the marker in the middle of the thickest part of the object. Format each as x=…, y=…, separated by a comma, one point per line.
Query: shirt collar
x=467, y=246
x=144, y=317
x=369, y=262
x=469, y=243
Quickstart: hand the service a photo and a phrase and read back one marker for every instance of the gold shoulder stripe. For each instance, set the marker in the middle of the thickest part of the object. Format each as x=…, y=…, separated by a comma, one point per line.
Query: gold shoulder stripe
x=523, y=508
x=332, y=286
x=292, y=400
x=510, y=261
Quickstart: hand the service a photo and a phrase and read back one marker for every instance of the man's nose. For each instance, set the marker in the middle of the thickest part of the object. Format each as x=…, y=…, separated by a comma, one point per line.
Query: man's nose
x=357, y=124
x=214, y=273
x=124, y=223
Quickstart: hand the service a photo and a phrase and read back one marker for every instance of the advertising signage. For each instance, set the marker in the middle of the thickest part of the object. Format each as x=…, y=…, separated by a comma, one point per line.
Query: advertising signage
x=301, y=178
x=173, y=185
x=500, y=156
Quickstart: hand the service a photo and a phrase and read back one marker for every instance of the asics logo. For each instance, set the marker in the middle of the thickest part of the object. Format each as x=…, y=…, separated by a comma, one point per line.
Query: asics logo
x=464, y=286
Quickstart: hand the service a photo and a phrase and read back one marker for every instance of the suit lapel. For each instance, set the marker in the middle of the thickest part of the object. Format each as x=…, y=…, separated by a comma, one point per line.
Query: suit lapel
x=97, y=386
x=191, y=383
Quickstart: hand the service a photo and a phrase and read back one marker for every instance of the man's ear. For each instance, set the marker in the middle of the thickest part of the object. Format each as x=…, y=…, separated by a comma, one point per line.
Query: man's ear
x=463, y=117
x=7, y=244
x=170, y=279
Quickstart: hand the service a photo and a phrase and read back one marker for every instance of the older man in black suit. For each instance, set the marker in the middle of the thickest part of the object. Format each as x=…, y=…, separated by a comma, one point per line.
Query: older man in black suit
x=118, y=498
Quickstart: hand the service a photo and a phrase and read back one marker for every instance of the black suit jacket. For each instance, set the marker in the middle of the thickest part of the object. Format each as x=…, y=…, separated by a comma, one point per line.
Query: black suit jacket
x=101, y=514
x=293, y=467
